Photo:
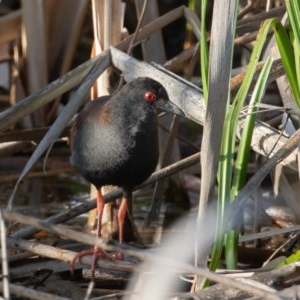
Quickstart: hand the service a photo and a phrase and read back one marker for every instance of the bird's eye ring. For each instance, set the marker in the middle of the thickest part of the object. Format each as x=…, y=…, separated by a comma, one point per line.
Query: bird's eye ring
x=150, y=96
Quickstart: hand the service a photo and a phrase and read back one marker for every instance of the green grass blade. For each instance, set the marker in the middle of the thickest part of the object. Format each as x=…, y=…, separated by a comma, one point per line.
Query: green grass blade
x=231, y=242
x=225, y=171
x=293, y=9
x=291, y=259
x=242, y=159
x=204, y=51
x=243, y=154
x=287, y=54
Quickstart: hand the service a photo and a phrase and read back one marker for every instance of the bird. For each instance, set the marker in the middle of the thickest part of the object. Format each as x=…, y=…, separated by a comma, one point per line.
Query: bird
x=114, y=141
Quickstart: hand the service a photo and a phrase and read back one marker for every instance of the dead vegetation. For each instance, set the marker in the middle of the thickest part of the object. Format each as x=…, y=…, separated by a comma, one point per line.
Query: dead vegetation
x=42, y=48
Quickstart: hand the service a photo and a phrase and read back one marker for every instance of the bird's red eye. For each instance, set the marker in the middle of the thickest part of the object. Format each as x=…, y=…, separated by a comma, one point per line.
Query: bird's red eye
x=150, y=96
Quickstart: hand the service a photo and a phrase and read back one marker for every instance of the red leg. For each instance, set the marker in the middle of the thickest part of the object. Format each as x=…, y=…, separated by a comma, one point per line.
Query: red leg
x=100, y=208
x=96, y=252
x=121, y=217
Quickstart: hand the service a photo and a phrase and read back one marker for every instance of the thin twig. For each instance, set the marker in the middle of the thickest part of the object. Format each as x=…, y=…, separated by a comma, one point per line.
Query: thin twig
x=280, y=248
x=63, y=254
x=4, y=258
x=29, y=293
x=138, y=27
x=134, y=37
x=267, y=234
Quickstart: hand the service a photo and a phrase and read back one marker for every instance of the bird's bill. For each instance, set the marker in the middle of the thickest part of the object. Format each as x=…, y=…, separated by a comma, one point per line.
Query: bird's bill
x=169, y=106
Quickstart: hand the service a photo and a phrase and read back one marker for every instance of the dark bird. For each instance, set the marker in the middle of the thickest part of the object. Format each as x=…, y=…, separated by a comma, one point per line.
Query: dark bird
x=114, y=141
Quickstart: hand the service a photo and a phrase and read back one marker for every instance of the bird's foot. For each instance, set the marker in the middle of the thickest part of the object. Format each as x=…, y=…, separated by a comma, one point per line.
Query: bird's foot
x=96, y=252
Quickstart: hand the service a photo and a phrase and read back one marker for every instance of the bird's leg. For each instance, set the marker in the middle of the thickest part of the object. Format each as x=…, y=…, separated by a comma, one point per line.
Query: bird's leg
x=121, y=216
x=96, y=251
x=100, y=208
x=121, y=220
x=126, y=207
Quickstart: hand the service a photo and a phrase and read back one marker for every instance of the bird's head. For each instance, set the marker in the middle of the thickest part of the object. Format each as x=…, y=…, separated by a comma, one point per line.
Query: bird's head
x=154, y=95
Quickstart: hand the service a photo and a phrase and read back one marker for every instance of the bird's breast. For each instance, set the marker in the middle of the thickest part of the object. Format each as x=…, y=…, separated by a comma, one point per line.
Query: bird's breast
x=119, y=155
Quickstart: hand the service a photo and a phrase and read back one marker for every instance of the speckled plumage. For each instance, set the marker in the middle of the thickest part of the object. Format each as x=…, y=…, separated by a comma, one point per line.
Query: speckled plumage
x=114, y=139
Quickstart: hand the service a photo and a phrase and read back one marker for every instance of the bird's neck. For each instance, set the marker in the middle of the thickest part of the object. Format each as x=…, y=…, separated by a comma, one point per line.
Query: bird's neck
x=134, y=117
